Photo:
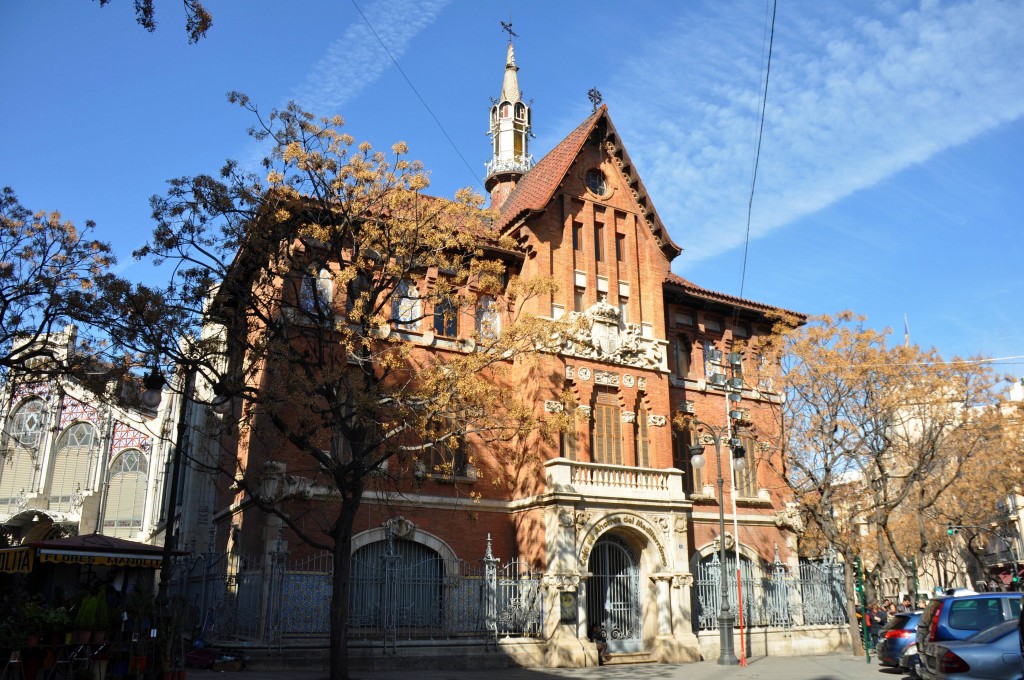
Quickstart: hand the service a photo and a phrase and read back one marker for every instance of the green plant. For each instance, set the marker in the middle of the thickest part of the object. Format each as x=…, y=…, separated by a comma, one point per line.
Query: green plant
x=41, y=619
x=85, y=617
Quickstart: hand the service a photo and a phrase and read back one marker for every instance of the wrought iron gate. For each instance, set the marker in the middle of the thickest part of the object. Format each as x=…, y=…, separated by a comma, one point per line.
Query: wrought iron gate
x=613, y=594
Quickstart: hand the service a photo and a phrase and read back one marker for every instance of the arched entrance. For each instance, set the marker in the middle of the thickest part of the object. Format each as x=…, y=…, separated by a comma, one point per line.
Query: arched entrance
x=613, y=594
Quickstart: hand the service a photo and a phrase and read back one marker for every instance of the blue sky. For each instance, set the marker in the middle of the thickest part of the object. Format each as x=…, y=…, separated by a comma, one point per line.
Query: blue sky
x=891, y=178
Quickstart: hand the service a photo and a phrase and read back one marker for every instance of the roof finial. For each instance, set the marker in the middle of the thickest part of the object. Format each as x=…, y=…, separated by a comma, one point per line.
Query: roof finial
x=508, y=28
x=595, y=97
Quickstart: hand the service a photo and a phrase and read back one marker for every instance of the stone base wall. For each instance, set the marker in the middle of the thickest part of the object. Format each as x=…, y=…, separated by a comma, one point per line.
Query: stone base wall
x=801, y=641
x=566, y=652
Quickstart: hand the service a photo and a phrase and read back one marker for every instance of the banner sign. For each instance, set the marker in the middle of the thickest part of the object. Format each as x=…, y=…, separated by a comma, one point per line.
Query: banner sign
x=16, y=560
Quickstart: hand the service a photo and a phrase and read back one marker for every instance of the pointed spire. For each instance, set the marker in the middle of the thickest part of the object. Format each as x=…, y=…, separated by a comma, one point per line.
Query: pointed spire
x=510, y=87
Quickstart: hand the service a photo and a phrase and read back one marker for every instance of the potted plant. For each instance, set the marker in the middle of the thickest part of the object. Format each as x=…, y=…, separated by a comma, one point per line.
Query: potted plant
x=91, y=619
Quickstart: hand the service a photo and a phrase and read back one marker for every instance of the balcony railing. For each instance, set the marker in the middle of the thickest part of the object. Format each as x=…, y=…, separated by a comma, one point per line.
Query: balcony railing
x=596, y=480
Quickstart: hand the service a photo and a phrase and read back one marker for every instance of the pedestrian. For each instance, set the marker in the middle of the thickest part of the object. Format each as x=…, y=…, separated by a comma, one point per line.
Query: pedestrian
x=878, y=621
x=904, y=605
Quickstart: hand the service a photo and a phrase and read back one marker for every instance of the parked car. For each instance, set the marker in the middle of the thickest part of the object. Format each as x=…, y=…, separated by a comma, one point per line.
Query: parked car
x=910, y=661
x=992, y=654
x=897, y=634
x=953, y=617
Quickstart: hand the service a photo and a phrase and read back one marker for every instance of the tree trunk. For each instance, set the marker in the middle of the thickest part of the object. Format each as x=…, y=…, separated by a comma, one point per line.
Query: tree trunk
x=341, y=587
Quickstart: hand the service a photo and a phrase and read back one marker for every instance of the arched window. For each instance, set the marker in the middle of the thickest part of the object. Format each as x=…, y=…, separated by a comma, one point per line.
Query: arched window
x=317, y=293
x=405, y=305
x=20, y=453
x=520, y=111
x=506, y=110
x=488, y=323
x=74, y=466
x=126, y=494
x=408, y=579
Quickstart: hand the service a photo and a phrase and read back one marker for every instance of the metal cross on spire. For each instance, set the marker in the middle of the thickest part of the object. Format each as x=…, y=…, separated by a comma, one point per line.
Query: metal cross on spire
x=595, y=97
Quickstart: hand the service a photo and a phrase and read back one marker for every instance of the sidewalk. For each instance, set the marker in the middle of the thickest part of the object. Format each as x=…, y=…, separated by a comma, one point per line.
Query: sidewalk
x=829, y=667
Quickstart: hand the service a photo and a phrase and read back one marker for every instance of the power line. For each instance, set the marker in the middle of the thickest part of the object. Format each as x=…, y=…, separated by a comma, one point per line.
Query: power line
x=757, y=155
x=418, y=96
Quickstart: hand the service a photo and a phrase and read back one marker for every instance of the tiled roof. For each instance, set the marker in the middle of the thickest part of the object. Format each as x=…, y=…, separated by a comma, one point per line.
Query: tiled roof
x=705, y=294
x=535, y=189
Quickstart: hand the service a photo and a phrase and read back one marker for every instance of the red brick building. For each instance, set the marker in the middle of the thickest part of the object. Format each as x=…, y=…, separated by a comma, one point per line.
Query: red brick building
x=611, y=524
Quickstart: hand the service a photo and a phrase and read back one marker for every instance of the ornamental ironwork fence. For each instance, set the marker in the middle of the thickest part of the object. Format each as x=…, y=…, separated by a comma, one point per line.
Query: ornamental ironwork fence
x=773, y=596
x=399, y=591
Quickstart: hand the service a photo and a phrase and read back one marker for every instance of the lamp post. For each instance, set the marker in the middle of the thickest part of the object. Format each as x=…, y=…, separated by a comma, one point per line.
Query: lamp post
x=151, y=397
x=726, y=619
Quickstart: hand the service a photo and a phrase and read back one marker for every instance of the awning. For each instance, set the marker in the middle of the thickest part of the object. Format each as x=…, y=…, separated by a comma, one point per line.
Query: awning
x=99, y=550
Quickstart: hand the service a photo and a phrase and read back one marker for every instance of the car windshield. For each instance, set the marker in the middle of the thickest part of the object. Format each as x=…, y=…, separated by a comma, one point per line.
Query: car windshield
x=993, y=633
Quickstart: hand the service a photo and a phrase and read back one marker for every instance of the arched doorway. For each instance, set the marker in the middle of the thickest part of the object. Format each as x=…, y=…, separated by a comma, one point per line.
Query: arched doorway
x=613, y=593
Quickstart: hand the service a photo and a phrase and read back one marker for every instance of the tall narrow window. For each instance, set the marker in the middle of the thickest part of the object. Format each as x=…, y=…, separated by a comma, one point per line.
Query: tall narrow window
x=487, y=319
x=681, y=460
x=682, y=356
x=446, y=318
x=567, y=443
x=643, y=458
x=447, y=452
x=577, y=299
x=598, y=241
x=317, y=293
x=405, y=306
x=746, y=478
x=624, y=309
x=620, y=247
x=577, y=235
x=606, y=439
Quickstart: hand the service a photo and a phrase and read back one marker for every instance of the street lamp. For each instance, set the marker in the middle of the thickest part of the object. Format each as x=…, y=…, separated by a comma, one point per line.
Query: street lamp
x=727, y=655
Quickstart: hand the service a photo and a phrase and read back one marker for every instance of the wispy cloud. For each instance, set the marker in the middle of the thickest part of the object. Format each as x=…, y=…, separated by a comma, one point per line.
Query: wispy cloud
x=854, y=98
x=356, y=59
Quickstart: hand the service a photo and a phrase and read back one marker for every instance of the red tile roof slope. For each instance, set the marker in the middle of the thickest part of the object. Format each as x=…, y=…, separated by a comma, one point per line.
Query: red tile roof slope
x=707, y=294
x=535, y=189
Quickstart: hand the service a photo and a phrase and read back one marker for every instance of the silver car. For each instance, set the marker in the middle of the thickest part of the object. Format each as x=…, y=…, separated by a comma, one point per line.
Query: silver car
x=994, y=653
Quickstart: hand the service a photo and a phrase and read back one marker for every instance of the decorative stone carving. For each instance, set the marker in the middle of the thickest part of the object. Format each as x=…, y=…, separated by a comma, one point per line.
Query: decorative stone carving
x=570, y=373
x=661, y=521
x=730, y=542
x=689, y=406
x=567, y=518
x=399, y=527
x=657, y=421
x=641, y=384
x=583, y=373
x=628, y=417
x=584, y=411
x=789, y=518
x=606, y=378
x=628, y=380
x=706, y=439
x=552, y=406
x=682, y=580
x=567, y=581
x=606, y=338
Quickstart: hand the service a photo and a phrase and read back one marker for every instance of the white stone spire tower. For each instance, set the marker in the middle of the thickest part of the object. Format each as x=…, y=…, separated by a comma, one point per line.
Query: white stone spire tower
x=510, y=132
